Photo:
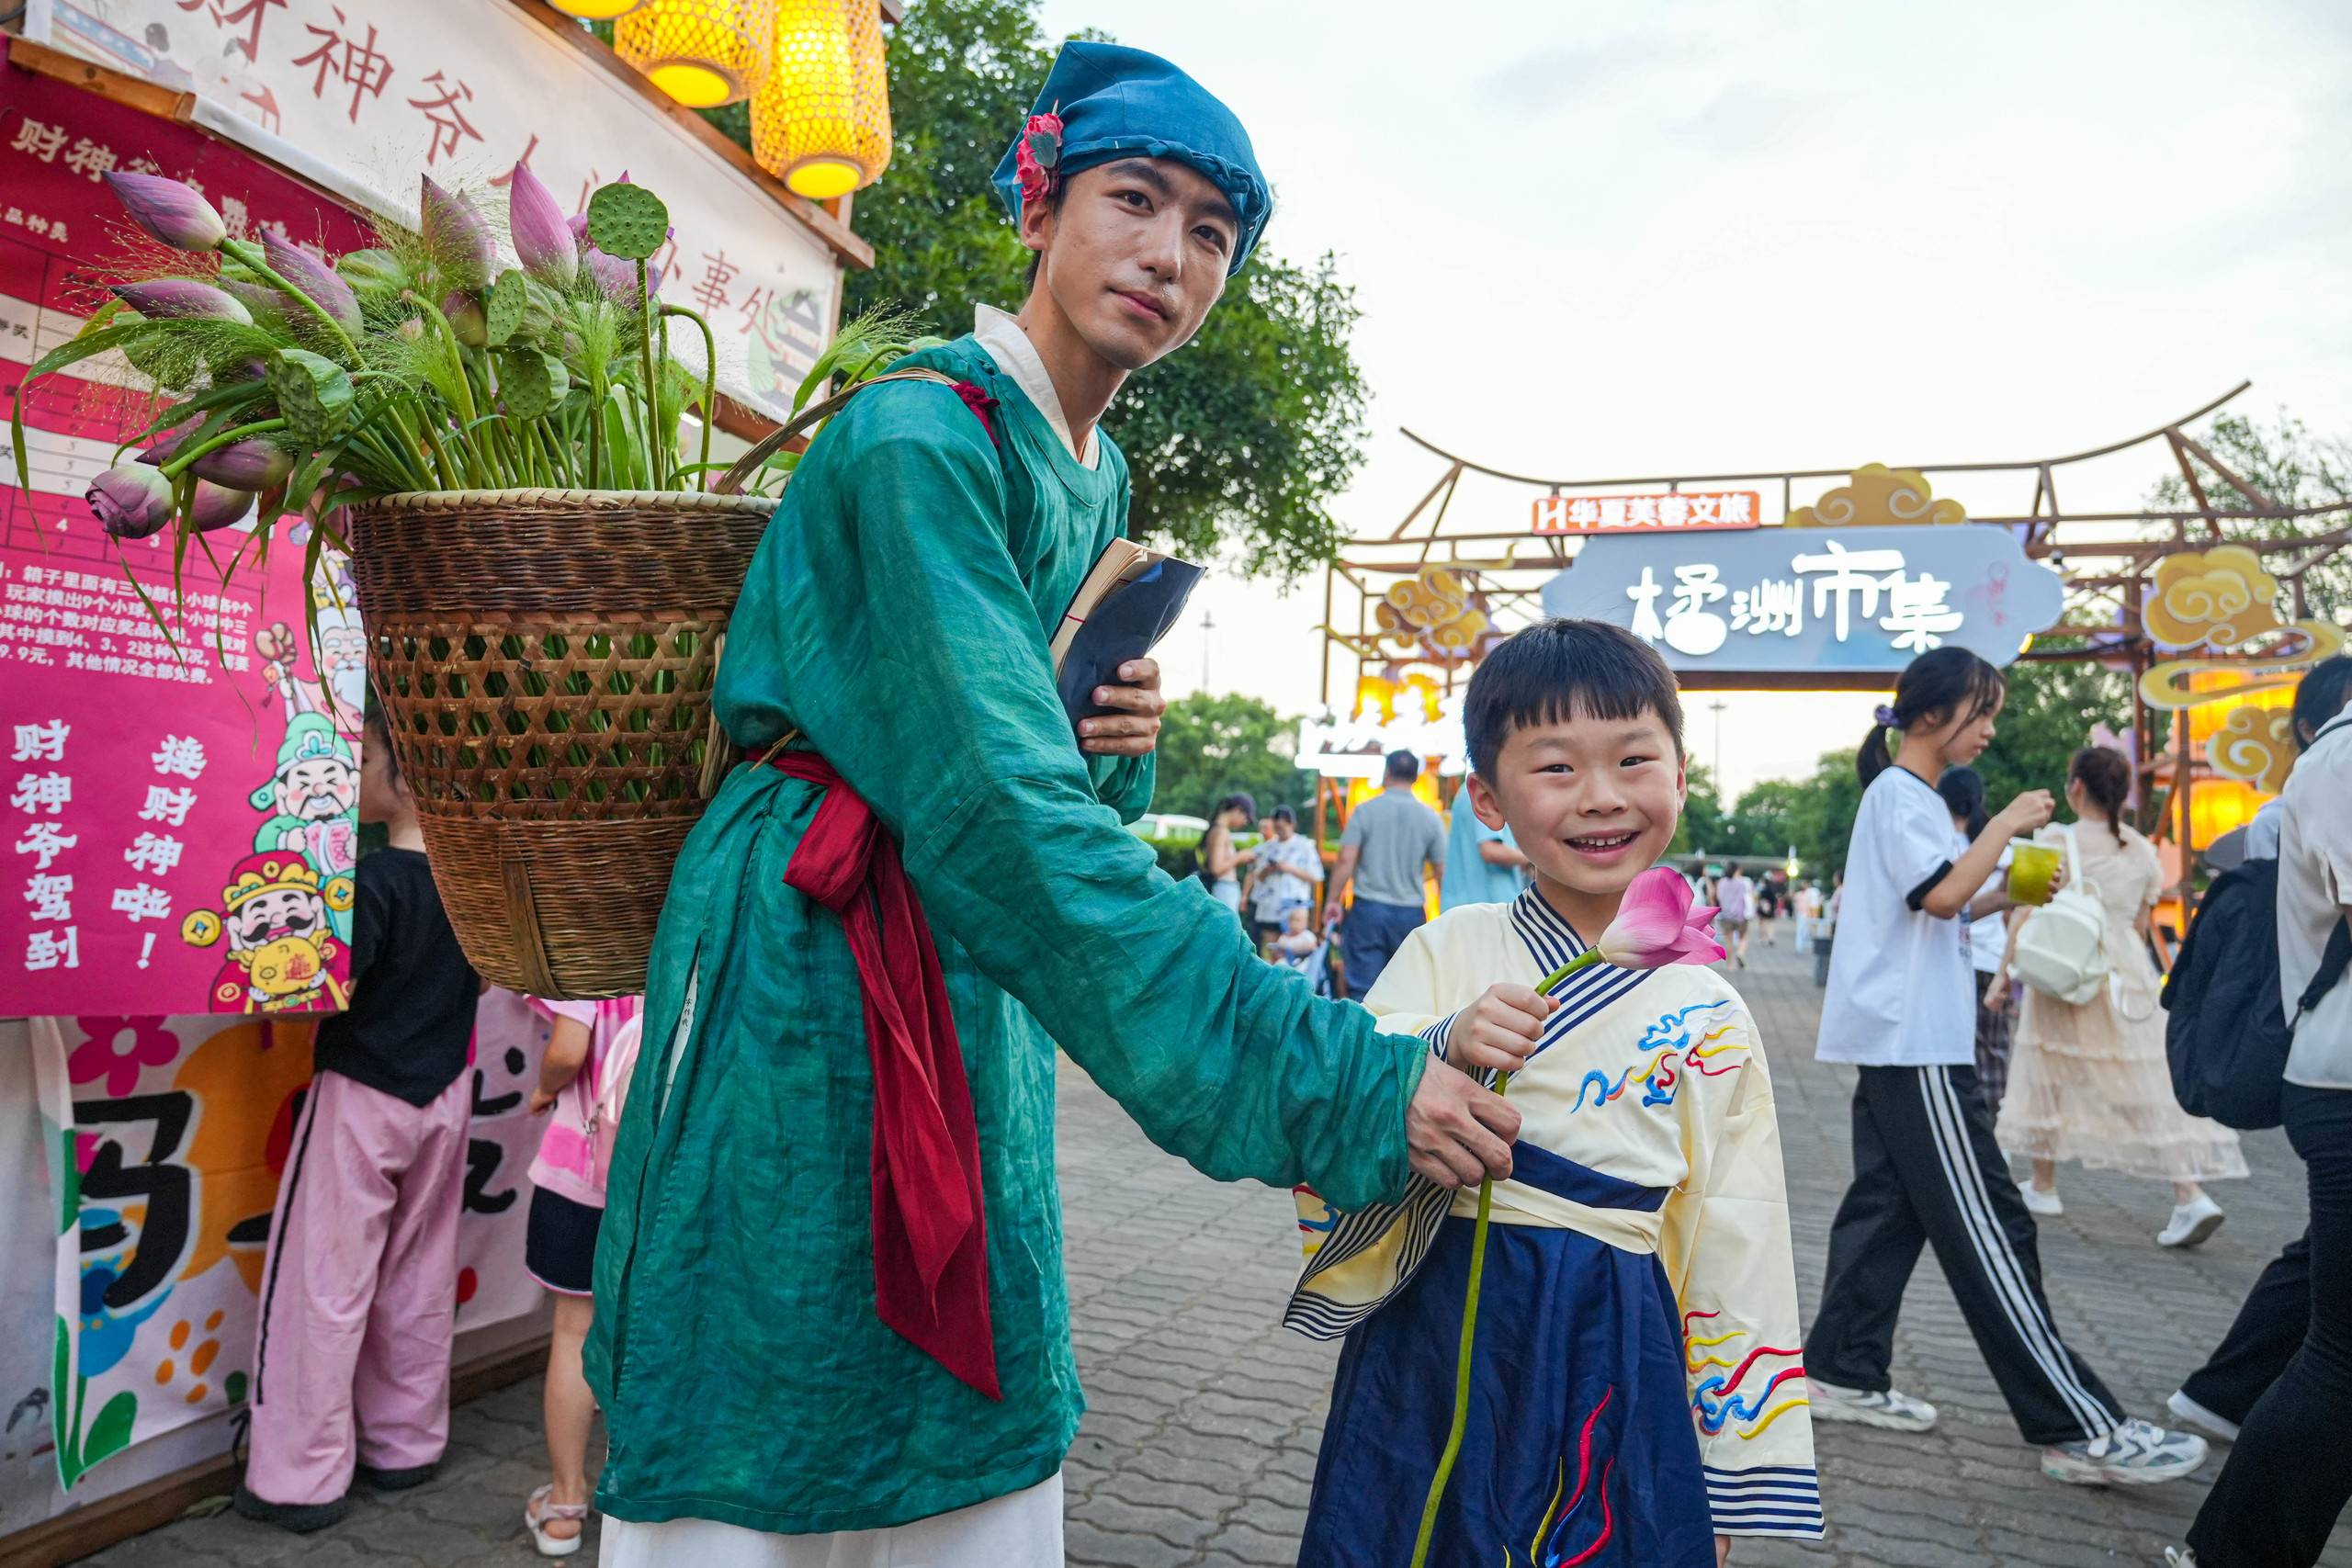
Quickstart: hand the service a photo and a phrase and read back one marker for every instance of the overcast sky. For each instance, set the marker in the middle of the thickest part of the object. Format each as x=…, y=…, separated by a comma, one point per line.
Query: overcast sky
x=1630, y=239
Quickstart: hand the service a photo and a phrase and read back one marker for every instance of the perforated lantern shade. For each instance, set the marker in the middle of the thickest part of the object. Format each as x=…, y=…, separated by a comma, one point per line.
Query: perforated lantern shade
x=596, y=10
x=702, y=52
x=821, y=120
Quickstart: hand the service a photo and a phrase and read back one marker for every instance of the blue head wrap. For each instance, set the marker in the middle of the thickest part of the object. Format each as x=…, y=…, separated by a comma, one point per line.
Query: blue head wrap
x=1123, y=103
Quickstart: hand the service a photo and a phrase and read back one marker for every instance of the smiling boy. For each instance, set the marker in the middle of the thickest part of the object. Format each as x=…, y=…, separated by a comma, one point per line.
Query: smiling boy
x=1637, y=1395
x=830, y=1300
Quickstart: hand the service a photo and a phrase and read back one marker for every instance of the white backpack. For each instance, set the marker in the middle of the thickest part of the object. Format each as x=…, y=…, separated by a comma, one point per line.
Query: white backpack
x=2061, y=948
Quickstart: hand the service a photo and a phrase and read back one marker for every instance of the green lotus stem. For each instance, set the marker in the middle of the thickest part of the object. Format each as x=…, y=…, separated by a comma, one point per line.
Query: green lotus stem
x=250, y=254
x=180, y=461
x=709, y=389
x=645, y=322
x=1590, y=956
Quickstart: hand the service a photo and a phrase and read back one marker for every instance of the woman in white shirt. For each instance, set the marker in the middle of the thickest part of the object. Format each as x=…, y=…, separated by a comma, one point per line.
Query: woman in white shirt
x=1963, y=793
x=1899, y=1007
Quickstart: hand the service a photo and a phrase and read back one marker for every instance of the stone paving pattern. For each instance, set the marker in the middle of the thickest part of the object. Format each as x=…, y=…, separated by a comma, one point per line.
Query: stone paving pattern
x=1199, y=1442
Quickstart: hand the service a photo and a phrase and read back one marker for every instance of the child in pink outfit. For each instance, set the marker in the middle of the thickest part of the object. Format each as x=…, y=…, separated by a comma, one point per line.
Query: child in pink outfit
x=359, y=1291
x=590, y=1047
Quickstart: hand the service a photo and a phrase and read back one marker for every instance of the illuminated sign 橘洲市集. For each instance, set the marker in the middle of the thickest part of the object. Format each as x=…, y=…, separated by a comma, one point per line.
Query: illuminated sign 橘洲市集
x=1791, y=600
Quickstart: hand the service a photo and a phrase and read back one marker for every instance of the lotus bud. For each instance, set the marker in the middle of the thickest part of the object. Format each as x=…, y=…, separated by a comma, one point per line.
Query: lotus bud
x=250, y=464
x=131, y=502
x=216, y=506
x=169, y=210
x=266, y=305
x=457, y=236
x=543, y=241
x=182, y=297
x=374, y=274
x=315, y=278
x=466, y=320
x=170, y=439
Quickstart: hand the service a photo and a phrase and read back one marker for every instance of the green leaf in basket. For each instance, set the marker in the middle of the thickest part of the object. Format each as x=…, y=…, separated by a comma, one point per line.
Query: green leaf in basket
x=531, y=382
x=627, y=222
x=503, y=311
x=314, y=392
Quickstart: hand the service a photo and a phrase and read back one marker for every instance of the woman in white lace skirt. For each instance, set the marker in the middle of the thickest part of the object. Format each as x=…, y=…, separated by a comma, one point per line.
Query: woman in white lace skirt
x=2090, y=1083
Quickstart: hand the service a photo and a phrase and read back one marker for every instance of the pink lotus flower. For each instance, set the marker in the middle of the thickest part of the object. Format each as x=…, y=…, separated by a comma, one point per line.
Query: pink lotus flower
x=169, y=210
x=1658, y=924
x=456, y=235
x=165, y=298
x=543, y=241
x=216, y=506
x=306, y=272
x=130, y=501
x=254, y=463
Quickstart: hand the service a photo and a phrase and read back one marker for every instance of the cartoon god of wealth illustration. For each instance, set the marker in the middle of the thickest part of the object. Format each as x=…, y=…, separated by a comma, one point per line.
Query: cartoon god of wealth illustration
x=274, y=913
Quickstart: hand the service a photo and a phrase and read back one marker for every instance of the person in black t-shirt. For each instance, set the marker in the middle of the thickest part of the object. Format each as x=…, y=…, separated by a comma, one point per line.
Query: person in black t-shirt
x=358, y=1298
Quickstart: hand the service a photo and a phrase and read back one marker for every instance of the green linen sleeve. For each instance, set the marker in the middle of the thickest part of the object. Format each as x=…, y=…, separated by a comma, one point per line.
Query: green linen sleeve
x=887, y=615
x=1124, y=784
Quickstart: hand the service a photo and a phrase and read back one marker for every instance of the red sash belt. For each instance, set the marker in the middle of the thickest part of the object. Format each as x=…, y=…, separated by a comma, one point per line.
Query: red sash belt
x=931, y=1267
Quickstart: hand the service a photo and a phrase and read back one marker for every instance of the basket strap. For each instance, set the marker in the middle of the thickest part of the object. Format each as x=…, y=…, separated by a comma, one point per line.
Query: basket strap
x=732, y=482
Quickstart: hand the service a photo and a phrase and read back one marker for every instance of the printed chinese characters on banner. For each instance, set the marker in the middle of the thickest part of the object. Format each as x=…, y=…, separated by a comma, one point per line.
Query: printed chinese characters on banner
x=180, y=1131
x=179, y=797
x=1668, y=512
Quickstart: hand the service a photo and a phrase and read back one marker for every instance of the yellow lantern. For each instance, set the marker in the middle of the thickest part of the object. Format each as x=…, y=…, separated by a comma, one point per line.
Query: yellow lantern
x=821, y=120
x=702, y=52
x=596, y=10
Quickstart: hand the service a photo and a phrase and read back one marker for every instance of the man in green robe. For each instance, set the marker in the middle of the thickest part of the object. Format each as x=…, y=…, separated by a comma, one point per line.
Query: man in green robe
x=895, y=625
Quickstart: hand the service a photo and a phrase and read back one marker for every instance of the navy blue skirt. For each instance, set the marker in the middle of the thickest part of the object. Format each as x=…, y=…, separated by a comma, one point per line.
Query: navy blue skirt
x=1579, y=1452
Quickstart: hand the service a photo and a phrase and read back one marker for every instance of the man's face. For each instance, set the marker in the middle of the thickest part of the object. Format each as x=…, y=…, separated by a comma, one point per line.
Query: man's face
x=318, y=788
x=1134, y=255
x=281, y=912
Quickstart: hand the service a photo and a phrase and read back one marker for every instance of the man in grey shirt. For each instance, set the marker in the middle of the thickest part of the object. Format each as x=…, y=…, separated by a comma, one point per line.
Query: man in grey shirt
x=1390, y=839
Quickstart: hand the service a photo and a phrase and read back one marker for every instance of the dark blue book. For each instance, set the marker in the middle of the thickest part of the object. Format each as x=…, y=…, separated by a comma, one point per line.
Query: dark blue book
x=1120, y=612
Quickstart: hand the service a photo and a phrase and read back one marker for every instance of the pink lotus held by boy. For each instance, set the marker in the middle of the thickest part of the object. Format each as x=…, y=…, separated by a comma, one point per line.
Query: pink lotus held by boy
x=1659, y=923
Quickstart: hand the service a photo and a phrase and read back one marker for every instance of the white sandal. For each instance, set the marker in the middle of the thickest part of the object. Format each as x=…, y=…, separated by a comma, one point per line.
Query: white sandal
x=539, y=1511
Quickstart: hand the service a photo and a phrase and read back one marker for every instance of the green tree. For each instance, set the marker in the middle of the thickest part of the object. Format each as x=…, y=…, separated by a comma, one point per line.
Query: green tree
x=1239, y=442
x=2047, y=717
x=1212, y=746
x=2286, y=462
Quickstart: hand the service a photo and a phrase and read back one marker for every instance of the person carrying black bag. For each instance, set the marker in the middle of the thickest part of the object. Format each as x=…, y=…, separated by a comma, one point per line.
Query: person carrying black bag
x=2227, y=1037
x=2287, y=1482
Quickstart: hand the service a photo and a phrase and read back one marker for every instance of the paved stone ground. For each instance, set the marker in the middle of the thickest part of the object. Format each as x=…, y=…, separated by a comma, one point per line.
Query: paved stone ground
x=1199, y=1444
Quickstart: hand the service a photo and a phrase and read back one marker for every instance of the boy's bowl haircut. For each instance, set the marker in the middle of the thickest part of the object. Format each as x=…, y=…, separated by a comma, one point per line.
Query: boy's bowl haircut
x=1558, y=668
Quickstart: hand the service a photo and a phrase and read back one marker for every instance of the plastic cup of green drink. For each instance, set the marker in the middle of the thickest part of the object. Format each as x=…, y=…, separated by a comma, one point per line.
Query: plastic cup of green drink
x=2034, y=868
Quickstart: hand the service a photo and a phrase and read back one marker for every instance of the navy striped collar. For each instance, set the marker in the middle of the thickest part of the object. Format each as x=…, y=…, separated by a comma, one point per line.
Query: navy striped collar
x=1553, y=941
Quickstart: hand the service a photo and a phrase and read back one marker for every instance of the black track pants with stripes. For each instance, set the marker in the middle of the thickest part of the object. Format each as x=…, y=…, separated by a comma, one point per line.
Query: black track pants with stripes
x=1928, y=1171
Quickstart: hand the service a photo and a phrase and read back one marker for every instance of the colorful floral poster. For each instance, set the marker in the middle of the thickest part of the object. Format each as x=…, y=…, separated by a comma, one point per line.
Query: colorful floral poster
x=173, y=1136
x=179, y=796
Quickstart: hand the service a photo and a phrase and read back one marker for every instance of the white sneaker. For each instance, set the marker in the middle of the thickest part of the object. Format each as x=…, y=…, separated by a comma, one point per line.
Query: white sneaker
x=2192, y=1222
x=2192, y=1414
x=2135, y=1454
x=1891, y=1408
x=2043, y=1203
x=2176, y=1558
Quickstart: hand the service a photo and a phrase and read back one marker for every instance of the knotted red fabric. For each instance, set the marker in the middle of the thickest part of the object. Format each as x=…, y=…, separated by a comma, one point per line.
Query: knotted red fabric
x=931, y=1265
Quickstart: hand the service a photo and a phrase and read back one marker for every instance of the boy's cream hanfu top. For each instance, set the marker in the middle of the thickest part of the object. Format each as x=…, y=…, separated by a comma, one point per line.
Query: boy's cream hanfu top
x=1657, y=1077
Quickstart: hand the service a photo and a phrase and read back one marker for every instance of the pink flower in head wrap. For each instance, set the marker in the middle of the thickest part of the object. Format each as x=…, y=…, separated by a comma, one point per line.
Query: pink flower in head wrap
x=1036, y=157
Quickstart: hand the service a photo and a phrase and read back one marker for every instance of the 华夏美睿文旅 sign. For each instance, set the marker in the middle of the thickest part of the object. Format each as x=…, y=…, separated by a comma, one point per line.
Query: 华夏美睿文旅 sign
x=1799, y=599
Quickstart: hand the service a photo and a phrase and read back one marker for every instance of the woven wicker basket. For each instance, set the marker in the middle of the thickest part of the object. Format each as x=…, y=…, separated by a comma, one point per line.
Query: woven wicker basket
x=545, y=660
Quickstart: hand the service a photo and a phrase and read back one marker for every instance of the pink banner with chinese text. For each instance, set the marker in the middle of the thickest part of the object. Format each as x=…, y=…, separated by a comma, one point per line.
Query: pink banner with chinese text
x=179, y=797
